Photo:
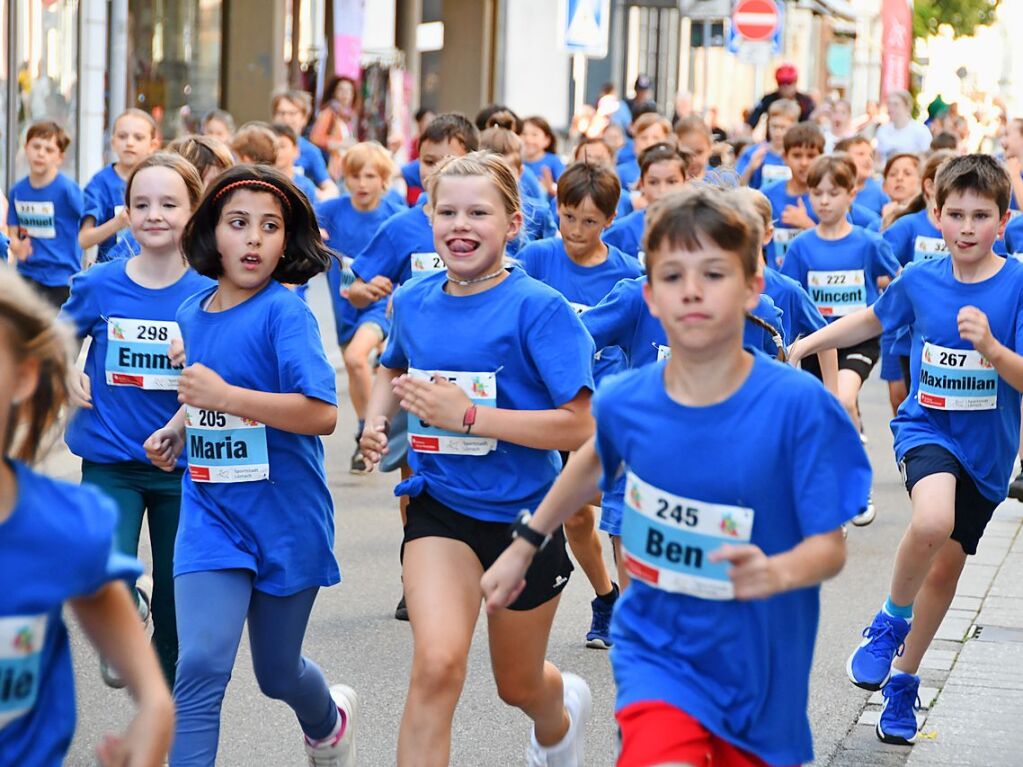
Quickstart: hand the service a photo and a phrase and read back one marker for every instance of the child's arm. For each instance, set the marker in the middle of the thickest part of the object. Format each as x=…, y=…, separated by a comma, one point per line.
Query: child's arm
x=111, y=622
x=843, y=332
x=755, y=161
x=383, y=405
x=828, y=361
x=973, y=327
x=165, y=444
x=444, y=404
x=361, y=293
x=203, y=387
x=757, y=576
x=92, y=233
x=573, y=489
x=20, y=247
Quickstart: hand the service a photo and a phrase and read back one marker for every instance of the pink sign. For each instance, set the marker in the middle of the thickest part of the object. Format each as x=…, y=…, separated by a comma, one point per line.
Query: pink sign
x=348, y=19
x=896, y=46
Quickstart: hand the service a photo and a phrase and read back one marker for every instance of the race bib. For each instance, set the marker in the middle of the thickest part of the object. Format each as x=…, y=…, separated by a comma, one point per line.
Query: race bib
x=225, y=448
x=771, y=173
x=783, y=237
x=956, y=379
x=667, y=540
x=21, y=649
x=137, y=354
x=663, y=352
x=424, y=438
x=838, y=293
x=929, y=248
x=36, y=218
x=426, y=263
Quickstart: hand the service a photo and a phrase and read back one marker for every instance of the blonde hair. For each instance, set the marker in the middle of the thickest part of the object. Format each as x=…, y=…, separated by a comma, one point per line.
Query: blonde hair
x=28, y=326
x=648, y=120
x=485, y=164
x=175, y=162
x=204, y=152
x=368, y=153
x=759, y=202
x=786, y=107
x=503, y=142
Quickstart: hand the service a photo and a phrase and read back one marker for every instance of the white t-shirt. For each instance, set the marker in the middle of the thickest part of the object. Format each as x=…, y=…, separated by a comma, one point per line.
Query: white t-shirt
x=914, y=137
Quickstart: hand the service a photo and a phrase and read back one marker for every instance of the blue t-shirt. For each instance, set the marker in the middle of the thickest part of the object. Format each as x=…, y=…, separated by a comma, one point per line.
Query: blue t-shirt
x=538, y=223
x=281, y=528
x=529, y=184
x=583, y=286
x=131, y=328
x=104, y=199
x=550, y=161
x=57, y=544
x=401, y=246
x=928, y=296
x=912, y=238
x=5, y=245
x=348, y=232
x=310, y=160
x=872, y=197
x=772, y=170
x=740, y=668
x=51, y=216
x=623, y=319
x=840, y=275
x=628, y=173
x=410, y=173
x=799, y=315
x=529, y=339
x=626, y=234
x=1014, y=236
x=306, y=187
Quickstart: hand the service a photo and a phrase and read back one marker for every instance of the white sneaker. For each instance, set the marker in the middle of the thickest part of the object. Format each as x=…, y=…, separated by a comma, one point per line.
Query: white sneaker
x=866, y=516
x=570, y=752
x=337, y=750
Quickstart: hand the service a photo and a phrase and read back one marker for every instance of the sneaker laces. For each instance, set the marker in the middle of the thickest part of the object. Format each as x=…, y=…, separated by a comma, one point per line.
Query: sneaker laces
x=601, y=622
x=882, y=638
x=900, y=704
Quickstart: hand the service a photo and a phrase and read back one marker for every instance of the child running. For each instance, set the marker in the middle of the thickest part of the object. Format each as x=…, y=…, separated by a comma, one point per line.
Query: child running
x=128, y=389
x=763, y=164
x=104, y=219
x=350, y=223
x=956, y=434
x=540, y=153
x=494, y=369
x=714, y=637
x=257, y=523
x=584, y=270
x=56, y=541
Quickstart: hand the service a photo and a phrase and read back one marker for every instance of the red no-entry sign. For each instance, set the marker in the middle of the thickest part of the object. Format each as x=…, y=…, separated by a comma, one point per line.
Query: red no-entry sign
x=755, y=20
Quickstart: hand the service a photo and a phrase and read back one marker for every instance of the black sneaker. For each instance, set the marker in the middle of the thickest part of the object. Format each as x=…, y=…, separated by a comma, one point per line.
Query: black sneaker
x=1016, y=487
x=401, y=611
x=358, y=465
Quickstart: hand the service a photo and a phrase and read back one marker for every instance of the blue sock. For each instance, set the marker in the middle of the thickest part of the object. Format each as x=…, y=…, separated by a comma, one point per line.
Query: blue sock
x=898, y=611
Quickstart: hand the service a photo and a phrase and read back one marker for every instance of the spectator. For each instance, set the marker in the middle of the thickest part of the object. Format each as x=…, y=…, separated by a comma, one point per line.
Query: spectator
x=840, y=125
x=337, y=125
x=901, y=133
x=644, y=98
x=786, y=76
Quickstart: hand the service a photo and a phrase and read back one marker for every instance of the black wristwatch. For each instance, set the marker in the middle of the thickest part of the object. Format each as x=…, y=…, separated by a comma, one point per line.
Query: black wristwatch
x=521, y=529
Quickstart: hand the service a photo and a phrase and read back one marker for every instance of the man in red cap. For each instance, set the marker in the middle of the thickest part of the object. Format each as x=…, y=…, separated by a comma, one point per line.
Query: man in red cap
x=786, y=76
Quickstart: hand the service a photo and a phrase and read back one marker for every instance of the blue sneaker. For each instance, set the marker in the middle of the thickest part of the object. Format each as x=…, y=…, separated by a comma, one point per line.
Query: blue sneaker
x=898, y=717
x=870, y=665
x=599, y=636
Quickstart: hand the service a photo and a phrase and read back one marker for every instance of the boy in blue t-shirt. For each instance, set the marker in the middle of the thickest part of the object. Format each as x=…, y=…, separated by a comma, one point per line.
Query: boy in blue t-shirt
x=763, y=164
x=957, y=433
x=293, y=107
x=723, y=566
x=105, y=218
x=287, y=159
x=803, y=144
x=43, y=216
x=869, y=193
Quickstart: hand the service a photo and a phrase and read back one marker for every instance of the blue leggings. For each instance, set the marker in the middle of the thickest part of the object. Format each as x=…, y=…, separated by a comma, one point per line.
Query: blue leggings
x=212, y=608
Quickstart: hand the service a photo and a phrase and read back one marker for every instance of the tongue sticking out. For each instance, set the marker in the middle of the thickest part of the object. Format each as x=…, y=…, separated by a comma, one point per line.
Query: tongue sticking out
x=462, y=246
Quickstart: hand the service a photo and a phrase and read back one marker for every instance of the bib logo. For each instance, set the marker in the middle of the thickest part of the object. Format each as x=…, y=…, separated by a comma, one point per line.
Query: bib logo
x=729, y=526
x=635, y=497
x=116, y=331
x=479, y=388
x=24, y=641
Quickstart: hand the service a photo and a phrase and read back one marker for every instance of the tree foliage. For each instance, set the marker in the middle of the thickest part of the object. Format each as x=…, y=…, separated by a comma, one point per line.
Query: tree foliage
x=964, y=16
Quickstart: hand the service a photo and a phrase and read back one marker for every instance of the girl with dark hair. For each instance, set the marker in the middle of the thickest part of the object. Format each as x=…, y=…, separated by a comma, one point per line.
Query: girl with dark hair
x=337, y=125
x=257, y=524
x=541, y=152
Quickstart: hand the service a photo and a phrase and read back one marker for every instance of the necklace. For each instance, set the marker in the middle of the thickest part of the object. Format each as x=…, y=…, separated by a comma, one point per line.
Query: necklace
x=475, y=280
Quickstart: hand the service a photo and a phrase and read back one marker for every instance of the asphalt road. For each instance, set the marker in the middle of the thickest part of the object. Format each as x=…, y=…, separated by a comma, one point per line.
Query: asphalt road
x=354, y=638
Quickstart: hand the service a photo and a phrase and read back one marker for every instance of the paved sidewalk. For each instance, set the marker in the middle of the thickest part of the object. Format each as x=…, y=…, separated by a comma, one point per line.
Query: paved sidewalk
x=972, y=677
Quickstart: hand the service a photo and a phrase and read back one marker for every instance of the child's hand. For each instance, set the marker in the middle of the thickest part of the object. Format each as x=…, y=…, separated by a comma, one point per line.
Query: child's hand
x=144, y=744
x=796, y=216
x=974, y=327
x=123, y=218
x=547, y=181
x=163, y=448
x=638, y=200
x=379, y=287
x=504, y=580
x=80, y=389
x=201, y=387
x=373, y=442
x=753, y=573
x=20, y=245
x=757, y=158
x=438, y=402
x=176, y=353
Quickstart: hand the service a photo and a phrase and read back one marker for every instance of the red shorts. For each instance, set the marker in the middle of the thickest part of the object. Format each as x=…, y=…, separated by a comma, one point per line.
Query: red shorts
x=656, y=734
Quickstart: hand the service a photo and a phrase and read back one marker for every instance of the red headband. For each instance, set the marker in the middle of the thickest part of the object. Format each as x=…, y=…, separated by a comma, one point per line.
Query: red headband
x=254, y=182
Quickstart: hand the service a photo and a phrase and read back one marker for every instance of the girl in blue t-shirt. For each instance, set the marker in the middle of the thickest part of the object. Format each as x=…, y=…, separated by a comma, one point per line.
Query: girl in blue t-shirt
x=724, y=565
x=128, y=387
x=350, y=223
x=255, y=540
x=494, y=370
x=57, y=547
x=541, y=152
